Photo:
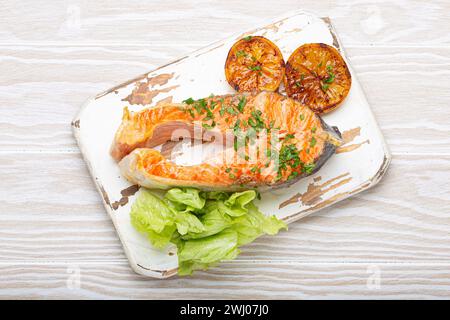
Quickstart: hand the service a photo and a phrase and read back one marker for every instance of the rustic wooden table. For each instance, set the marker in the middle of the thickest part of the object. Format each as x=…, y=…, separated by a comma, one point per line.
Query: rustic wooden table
x=392, y=241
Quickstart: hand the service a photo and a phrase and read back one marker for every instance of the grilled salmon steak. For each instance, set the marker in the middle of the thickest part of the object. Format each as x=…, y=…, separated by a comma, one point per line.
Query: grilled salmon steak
x=268, y=141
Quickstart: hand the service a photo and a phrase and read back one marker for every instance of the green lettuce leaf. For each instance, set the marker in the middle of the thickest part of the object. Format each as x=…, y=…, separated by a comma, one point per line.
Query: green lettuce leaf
x=217, y=195
x=187, y=196
x=161, y=239
x=213, y=221
x=151, y=216
x=178, y=207
x=202, y=253
x=187, y=222
x=254, y=224
x=236, y=204
x=206, y=227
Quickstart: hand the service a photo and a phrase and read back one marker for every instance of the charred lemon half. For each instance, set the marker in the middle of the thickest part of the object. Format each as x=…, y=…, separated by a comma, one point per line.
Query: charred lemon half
x=254, y=63
x=317, y=76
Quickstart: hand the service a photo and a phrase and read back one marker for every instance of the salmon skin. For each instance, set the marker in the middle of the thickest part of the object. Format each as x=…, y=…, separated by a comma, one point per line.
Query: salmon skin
x=269, y=141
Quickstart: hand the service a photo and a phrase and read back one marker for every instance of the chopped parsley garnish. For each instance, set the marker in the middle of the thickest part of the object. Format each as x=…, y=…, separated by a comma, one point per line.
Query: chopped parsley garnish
x=330, y=78
x=331, y=75
x=251, y=122
x=236, y=125
x=271, y=124
x=289, y=156
x=313, y=142
x=232, y=176
x=290, y=136
x=313, y=129
x=227, y=170
x=254, y=169
x=200, y=106
x=231, y=111
x=293, y=175
x=247, y=38
x=325, y=86
x=241, y=104
x=209, y=113
x=207, y=126
x=189, y=101
x=308, y=168
x=255, y=68
x=241, y=53
x=302, y=117
x=256, y=121
x=222, y=110
x=300, y=83
x=202, y=103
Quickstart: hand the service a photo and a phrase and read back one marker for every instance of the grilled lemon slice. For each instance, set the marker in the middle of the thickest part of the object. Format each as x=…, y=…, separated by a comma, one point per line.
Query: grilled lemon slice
x=254, y=63
x=317, y=76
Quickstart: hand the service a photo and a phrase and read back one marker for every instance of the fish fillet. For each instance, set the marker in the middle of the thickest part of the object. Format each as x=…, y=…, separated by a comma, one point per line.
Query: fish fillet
x=268, y=141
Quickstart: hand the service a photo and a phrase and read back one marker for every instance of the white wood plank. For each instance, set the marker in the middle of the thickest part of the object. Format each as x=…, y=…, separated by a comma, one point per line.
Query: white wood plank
x=203, y=21
x=237, y=280
x=404, y=88
x=51, y=212
x=42, y=88
x=54, y=56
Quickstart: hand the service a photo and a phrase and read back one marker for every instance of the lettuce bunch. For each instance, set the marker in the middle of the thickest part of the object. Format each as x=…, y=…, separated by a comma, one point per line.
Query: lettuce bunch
x=207, y=227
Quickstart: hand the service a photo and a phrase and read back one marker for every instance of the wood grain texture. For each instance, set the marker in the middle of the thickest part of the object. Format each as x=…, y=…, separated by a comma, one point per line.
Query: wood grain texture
x=56, y=55
x=44, y=88
x=51, y=212
x=203, y=21
x=238, y=280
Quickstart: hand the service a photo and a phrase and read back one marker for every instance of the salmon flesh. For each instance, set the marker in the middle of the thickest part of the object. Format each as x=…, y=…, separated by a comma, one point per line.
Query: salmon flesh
x=268, y=140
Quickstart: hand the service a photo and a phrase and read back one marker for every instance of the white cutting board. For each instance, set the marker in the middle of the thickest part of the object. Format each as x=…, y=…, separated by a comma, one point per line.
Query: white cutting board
x=357, y=166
